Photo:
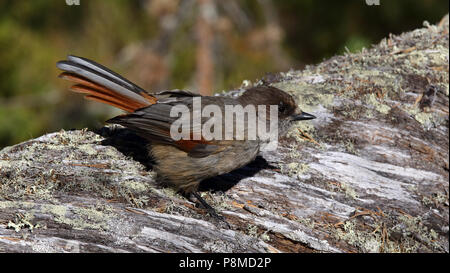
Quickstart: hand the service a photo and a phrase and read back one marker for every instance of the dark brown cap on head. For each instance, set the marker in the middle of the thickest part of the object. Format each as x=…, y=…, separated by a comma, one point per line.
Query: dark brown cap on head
x=269, y=95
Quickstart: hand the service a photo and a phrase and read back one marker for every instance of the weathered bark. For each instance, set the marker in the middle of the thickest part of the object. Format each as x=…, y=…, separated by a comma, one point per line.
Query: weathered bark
x=369, y=174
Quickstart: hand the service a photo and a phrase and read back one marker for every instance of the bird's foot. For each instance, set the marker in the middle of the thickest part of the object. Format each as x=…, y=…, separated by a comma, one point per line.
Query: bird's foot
x=211, y=210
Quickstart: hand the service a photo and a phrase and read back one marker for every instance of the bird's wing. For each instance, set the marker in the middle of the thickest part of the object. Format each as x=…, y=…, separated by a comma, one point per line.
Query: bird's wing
x=154, y=123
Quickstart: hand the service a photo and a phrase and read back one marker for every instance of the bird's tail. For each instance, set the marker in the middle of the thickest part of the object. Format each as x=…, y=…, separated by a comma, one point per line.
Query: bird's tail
x=103, y=85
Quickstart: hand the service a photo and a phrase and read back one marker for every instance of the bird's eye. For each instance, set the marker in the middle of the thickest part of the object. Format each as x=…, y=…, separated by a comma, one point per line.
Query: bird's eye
x=281, y=107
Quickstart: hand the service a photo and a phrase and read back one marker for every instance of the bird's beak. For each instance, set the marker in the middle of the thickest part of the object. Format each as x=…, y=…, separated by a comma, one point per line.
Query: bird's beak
x=302, y=116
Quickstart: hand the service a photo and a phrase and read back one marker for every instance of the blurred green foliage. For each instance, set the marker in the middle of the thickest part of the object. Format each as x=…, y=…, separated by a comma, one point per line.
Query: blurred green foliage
x=34, y=35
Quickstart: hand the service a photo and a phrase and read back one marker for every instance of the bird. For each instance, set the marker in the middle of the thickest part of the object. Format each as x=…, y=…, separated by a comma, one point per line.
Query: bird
x=181, y=163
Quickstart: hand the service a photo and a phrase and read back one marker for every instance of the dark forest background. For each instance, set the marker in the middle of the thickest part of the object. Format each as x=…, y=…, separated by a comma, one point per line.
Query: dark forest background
x=200, y=45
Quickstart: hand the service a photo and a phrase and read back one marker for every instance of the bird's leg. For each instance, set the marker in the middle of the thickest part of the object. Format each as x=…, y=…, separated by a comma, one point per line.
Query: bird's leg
x=210, y=209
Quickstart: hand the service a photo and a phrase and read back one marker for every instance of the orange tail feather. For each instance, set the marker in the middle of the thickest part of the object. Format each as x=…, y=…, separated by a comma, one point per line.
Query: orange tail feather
x=102, y=94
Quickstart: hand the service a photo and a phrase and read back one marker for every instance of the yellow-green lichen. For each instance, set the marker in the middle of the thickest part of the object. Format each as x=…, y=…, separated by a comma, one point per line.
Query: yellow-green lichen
x=435, y=199
x=350, y=147
x=23, y=221
x=81, y=137
x=265, y=236
x=7, y=204
x=349, y=191
x=294, y=152
x=413, y=226
x=308, y=96
x=364, y=240
x=223, y=202
x=58, y=211
x=423, y=118
x=354, y=237
x=252, y=230
x=295, y=131
x=380, y=107
x=92, y=217
x=306, y=221
x=296, y=169
x=134, y=186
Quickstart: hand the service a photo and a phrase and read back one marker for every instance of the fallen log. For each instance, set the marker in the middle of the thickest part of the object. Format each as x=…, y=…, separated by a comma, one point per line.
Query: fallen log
x=370, y=174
